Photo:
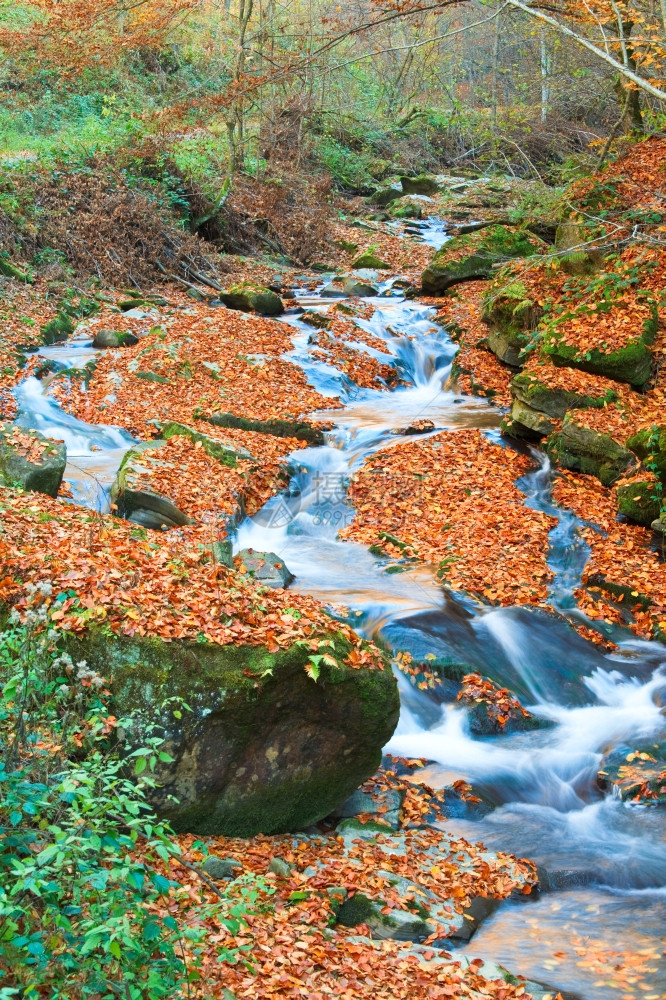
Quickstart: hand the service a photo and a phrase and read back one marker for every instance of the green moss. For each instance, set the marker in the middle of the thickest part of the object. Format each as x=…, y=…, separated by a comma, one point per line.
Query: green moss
x=358, y=909
x=583, y=449
x=631, y=363
x=370, y=260
x=640, y=501
x=227, y=456
x=475, y=256
x=10, y=271
x=57, y=329
x=279, y=428
x=248, y=708
x=250, y=297
x=650, y=446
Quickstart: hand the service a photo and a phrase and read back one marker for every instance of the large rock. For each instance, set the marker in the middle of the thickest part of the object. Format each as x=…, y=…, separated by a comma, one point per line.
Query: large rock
x=650, y=446
x=584, y=449
x=527, y=422
x=252, y=298
x=552, y=400
x=138, y=503
x=30, y=461
x=640, y=500
x=511, y=315
x=262, y=748
x=474, y=257
x=104, y=339
x=265, y=567
x=631, y=363
x=423, y=184
x=359, y=287
x=385, y=196
x=131, y=493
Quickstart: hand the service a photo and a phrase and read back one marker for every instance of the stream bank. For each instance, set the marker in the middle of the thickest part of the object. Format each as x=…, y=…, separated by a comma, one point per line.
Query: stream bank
x=543, y=784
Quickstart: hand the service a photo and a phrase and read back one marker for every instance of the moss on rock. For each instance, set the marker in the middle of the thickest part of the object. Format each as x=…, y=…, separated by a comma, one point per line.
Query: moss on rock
x=253, y=298
x=640, y=501
x=474, y=257
x=553, y=401
x=41, y=473
x=262, y=747
x=631, y=363
x=583, y=449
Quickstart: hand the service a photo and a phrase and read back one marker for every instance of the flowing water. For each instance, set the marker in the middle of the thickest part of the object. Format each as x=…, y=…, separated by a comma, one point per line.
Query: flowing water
x=603, y=861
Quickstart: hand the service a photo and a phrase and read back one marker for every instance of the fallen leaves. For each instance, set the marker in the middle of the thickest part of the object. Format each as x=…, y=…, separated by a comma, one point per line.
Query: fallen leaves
x=451, y=501
x=140, y=582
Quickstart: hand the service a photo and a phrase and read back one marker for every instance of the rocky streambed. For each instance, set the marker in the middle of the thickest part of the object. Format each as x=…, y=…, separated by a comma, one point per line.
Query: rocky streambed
x=530, y=789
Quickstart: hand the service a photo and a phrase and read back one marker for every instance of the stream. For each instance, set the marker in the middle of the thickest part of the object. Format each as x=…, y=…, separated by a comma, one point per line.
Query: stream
x=604, y=862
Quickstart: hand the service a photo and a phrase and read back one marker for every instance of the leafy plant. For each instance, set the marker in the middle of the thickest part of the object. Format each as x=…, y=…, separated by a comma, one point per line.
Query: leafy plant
x=84, y=863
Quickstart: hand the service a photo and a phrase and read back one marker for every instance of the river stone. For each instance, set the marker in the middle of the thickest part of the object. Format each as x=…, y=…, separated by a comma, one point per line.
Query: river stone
x=423, y=184
x=529, y=423
x=41, y=475
x=252, y=298
x=331, y=291
x=553, y=401
x=586, y=450
x=280, y=868
x=266, y=567
x=359, y=287
x=222, y=868
x=262, y=748
x=114, y=338
x=384, y=805
x=636, y=773
x=400, y=925
x=474, y=257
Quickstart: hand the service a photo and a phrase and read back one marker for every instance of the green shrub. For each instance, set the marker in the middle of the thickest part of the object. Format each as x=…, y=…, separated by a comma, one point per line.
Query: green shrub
x=83, y=861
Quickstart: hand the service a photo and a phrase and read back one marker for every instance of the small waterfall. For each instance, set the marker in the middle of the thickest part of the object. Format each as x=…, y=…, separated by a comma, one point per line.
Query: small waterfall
x=94, y=451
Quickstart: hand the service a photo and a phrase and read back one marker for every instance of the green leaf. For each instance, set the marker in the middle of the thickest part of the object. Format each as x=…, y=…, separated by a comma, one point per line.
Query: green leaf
x=140, y=765
x=115, y=949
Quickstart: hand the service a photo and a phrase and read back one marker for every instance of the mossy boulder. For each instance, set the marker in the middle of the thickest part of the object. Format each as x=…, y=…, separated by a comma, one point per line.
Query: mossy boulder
x=423, y=184
x=576, y=258
x=511, y=314
x=552, y=400
x=528, y=423
x=371, y=260
x=386, y=195
x=57, y=329
x=30, y=461
x=299, y=429
x=631, y=363
x=262, y=748
x=640, y=500
x=105, y=339
x=474, y=257
x=253, y=298
x=650, y=446
x=407, y=210
x=586, y=450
